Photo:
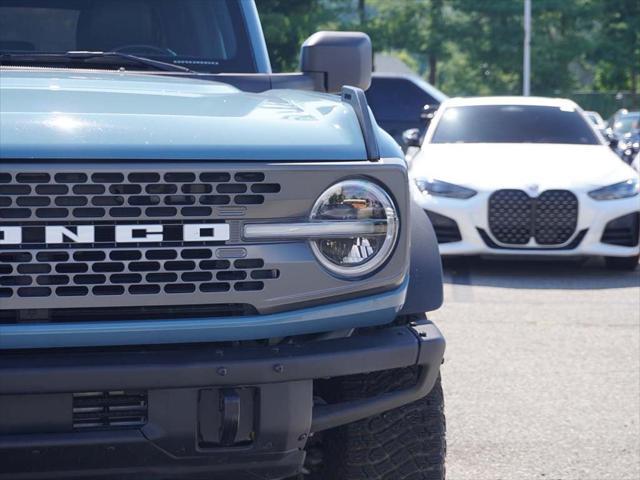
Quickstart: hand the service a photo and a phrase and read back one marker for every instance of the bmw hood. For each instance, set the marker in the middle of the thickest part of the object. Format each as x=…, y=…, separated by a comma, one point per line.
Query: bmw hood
x=57, y=113
x=487, y=167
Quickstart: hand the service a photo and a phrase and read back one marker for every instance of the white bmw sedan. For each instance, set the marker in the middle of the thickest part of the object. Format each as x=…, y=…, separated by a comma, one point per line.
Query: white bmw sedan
x=525, y=176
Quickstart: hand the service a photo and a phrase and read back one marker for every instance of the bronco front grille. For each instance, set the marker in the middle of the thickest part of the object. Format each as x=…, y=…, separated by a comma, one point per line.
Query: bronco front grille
x=108, y=195
x=550, y=219
x=36, y=273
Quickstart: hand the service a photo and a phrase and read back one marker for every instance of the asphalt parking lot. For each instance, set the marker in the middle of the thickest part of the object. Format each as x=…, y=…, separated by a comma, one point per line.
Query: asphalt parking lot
x=542, y=371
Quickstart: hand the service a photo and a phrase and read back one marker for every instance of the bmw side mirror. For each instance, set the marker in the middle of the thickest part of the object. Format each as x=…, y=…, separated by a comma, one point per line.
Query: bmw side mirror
x=342, y=58
x=411, y=137
x=611, y=138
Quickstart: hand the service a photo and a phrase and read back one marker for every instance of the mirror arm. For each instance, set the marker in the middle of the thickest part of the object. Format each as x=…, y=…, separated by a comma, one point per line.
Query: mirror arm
x=356, y=98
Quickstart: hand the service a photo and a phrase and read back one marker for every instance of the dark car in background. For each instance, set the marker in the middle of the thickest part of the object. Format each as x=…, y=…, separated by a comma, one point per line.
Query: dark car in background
x=624, y=122
x=624, y=128
x=397, y=101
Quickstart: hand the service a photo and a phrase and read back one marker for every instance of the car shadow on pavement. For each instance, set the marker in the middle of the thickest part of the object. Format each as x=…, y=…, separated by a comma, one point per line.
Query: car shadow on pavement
x=537, y=274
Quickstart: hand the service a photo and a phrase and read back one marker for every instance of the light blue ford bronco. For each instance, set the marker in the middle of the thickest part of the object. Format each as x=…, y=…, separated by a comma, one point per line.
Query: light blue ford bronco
x=206, y=270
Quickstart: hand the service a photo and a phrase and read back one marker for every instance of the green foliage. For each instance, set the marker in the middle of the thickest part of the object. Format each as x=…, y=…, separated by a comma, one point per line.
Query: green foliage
x=471, y=47
x=617, y=54
x=288, y=23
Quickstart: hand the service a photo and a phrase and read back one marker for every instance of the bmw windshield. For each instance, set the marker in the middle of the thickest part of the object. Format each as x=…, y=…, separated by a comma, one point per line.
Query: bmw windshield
x=513, y=124
x=201, y=35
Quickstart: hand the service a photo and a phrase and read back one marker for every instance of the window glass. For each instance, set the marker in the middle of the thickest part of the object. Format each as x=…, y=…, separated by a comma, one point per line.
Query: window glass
x=513, y=124
x=397, y=99
x=627, y=123
x=206, y=35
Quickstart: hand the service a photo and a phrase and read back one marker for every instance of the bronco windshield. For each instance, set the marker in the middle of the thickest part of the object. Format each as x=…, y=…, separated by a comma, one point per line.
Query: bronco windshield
x=202, y=35
x=513, y=124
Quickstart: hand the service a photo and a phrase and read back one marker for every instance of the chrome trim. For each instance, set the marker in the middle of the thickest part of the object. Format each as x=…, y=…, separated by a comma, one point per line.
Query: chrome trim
x=391, y=224
x=310, y=230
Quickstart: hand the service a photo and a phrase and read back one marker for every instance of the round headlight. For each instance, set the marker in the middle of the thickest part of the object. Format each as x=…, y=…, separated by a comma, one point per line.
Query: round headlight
x=374, y=220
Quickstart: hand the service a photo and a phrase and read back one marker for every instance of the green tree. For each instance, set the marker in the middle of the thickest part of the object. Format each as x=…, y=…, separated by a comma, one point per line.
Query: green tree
x=474, y=47
x=616, y=53
x=414, y=26
x=288, y=23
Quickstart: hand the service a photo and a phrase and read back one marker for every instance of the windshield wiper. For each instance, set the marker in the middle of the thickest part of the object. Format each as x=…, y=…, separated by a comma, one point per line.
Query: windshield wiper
x=81, y=56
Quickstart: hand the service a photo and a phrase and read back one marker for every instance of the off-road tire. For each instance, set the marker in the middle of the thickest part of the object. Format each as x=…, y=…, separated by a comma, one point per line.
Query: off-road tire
x=407, y=443
x=622, y=263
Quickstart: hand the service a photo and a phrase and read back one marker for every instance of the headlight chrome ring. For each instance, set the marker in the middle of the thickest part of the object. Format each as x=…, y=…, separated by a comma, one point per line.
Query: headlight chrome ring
x=353, y=202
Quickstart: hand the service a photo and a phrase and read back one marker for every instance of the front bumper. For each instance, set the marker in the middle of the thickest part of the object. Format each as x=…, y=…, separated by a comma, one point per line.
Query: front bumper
x=185, y=435
x=358, y=312
x=471, y=220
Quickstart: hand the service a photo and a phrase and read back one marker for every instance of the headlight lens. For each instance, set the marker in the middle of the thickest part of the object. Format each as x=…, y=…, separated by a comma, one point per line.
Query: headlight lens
x=362, y=253
x=439, y=188
x=627, y=189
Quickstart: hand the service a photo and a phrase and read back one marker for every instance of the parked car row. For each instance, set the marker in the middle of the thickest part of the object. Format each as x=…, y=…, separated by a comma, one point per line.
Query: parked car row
x=623, y=132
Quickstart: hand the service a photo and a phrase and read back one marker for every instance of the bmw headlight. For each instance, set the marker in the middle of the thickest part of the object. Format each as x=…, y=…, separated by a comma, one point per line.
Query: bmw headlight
x=439, y=188
x=629, y=188
x=370, y=222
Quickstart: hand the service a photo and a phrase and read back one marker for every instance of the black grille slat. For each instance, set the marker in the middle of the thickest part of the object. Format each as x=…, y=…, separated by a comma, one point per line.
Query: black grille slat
x=107, y=177
x=34, y=201
x=68, y=201
x=109, y=410
x=550, y=219
x=108, y=290
x=74, y=177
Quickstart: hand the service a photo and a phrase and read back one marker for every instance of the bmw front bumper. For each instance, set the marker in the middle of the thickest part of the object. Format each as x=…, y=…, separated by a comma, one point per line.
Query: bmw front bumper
x=473, y=235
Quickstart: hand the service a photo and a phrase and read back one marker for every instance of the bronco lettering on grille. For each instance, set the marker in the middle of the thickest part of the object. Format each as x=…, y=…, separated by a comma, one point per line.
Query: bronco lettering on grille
x=58, y=234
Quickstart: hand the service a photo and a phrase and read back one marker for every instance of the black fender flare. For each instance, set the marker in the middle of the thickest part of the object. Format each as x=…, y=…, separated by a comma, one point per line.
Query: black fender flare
x=424, y=293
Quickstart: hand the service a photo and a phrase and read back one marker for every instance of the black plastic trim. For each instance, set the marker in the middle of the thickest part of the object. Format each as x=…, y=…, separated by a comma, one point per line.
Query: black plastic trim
x=166, y=446
x=356, y=98
x=425, y=292
x=446, y=228
x=570, y=246
x=430, y=356
x=623, y=231
x=203, y=365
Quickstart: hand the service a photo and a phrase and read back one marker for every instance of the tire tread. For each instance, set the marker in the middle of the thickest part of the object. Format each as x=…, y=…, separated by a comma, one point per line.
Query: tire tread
x=407, y=443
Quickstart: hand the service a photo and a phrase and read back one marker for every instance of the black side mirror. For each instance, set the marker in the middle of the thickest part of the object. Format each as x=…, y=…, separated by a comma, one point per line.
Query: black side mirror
x=411, y=137
x=611, y=138
x=428, y=112
x=344, y=58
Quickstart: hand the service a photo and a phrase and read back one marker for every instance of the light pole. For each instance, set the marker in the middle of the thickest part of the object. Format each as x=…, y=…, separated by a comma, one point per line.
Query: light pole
x=526, y=61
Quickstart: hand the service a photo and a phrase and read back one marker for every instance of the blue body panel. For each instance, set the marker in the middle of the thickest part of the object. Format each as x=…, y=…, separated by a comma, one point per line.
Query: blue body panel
x=114, y=115
x=362, y=312
x=65, y=114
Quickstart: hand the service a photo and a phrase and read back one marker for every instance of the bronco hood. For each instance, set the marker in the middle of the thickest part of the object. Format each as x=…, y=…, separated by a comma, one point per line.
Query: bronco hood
x=113, y=115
